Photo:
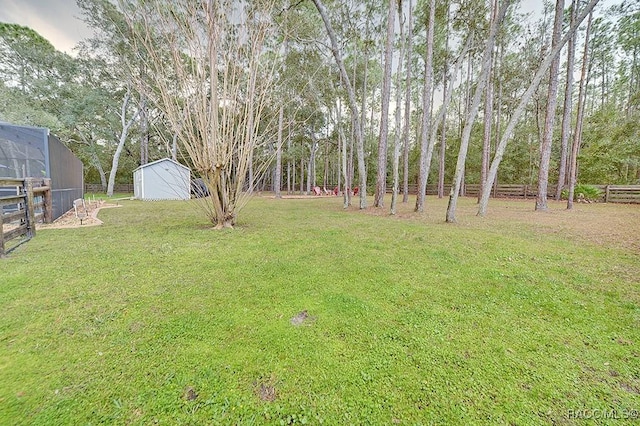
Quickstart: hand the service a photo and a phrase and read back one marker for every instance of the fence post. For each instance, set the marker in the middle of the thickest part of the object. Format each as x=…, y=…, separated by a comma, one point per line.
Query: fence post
x=48, y=202
x=1, y=235
x=606, y=194
x=31, y=223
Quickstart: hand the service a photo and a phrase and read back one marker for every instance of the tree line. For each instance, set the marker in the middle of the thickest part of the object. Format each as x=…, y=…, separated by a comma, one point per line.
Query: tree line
x=289, y=95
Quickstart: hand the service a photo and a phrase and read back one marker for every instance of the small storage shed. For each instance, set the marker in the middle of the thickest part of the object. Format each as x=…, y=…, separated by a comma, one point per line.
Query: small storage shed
x=34, y=152
x=163, y=179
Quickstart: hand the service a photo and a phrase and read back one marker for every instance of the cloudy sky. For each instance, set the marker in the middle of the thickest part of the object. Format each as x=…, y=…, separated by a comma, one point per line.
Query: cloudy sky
x=59, y=20
x=56, y=20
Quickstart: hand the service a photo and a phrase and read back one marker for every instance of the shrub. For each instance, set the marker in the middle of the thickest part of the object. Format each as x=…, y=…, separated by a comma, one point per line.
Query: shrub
x=589, y=193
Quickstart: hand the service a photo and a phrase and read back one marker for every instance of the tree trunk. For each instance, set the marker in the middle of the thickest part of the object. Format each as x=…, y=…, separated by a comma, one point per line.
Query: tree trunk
x=289, y=174
x=381, y=177
x=577, y=134
x=443, y=133
x=498, y=113
x=552, y=96
x=251, y=178
x=174, y=147
x=277, y=184
x=126, y=125
x=312, y=161
x=352, y=102
x=426, y=108
x=114, y=163
x=440, y=116
x=397, y=139
x=214, y=175
x=634, y=81
x=443, y=151
x=95, y=160
x=350, y=167
x=486, y=144
x=407, y=110
x=473, y=111
x=566, y=113
x=345, y=165
x=101, y=172
x=467, y=92
x=325, y=175
x=288, y=177
x=144, y=130
x=302, y=175
x=309, y=171
x=524, y=100
x=488, y=117
x=363, y=105
x=311, y=165
x=340, y=165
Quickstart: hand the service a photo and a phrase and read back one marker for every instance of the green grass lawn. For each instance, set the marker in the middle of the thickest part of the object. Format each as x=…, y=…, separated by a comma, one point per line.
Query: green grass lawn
x=154, y=318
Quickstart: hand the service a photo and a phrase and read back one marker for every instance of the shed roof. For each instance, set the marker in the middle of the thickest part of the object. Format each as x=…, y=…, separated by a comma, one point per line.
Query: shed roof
x=160, y=161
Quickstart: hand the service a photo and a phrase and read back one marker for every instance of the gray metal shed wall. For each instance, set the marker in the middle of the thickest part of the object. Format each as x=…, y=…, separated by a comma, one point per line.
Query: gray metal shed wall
x=165, y=180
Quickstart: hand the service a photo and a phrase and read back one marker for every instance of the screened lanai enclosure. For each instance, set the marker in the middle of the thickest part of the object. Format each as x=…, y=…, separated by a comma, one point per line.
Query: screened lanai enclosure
x=35, y=152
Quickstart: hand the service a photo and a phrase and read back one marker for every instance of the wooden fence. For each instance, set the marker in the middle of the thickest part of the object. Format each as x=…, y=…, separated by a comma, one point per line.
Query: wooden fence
x=608, y=193
x=622, y=194
x=32, y=201
x=499, y=191
x=118, y=187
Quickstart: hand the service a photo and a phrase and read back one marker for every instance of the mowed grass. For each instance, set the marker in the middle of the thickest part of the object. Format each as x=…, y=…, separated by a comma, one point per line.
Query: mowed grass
x=154, y=318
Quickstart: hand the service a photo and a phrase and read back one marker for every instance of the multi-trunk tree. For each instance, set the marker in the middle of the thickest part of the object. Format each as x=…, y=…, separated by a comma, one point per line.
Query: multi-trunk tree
x=209, y=72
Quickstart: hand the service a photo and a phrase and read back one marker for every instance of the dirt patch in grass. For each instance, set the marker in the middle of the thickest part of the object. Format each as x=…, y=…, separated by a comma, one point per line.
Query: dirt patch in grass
x=302, y=318
x=70, y=220
x=609, y=225
x=189, y=394
x=265, y=390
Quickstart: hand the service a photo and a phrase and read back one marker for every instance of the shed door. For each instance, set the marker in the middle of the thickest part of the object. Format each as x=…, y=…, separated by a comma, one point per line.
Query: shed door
x=138, y=188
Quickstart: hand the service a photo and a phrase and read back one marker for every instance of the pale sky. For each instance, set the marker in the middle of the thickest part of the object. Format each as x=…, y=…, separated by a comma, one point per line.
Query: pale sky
x=56, y=20
x=59, y=20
